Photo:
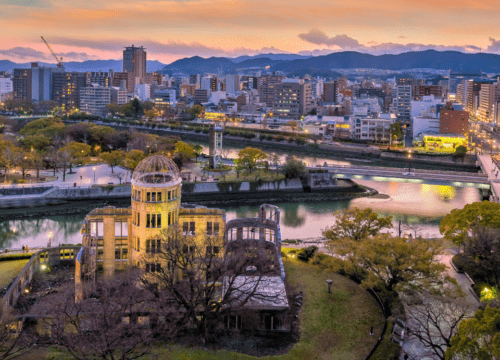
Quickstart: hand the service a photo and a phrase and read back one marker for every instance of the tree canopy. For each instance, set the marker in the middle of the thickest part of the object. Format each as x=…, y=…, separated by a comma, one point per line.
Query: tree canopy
x=392, y=263
x=113, y=158
x=46, y=126
x=251, y=157
x=478, y=338
x=293, y=168
x=356, y=224
x=457, y=225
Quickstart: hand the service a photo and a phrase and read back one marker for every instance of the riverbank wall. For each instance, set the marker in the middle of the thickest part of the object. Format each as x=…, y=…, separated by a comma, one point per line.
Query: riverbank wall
x=364, y=154
x=83, y=200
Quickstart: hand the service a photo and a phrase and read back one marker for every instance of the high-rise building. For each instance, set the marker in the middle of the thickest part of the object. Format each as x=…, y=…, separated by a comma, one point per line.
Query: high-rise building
x=143, y=91
x=41, y=81
x=486, y=102
x=101, y=78
x=94, y=98
x=403, y=103
x=209, y=83
x=330, y=92
x=419, y=91
x=459, y=78
x=473, y=90
x=453, y=121
x=153, y=78
x=5, y=88
x=292, y=99
x=21, y=84
x=232, y=83
x=66, y=89
x=342, y=83
x=165, y=97
x=134, y=62
x=266, y=88
x=201, y=96
x=124, y=79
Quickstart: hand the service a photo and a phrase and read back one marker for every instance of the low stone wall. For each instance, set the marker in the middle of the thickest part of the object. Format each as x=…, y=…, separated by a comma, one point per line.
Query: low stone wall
x=28, y=190
x=80, y=193
x=48, y=257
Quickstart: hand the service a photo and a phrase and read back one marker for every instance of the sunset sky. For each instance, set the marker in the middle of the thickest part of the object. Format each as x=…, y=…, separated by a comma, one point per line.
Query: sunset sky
x=172, y=29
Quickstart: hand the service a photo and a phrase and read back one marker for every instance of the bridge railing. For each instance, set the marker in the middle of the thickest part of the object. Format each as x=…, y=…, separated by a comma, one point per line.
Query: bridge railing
x=399, y=170
x=47, y=257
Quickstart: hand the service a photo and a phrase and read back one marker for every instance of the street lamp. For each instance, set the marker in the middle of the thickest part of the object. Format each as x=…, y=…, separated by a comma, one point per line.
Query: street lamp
x=409, y=161
x=329, y=282
x=50, y=239
x=94, y=172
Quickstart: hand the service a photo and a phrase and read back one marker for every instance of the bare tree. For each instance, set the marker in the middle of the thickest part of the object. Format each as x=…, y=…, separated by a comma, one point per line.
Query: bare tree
x=117, y=321
x=207, y=281
x=433, y=321
x=13, y=342
x=119, y=175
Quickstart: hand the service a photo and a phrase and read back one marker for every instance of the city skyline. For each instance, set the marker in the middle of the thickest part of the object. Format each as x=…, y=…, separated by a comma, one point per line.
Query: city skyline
x=171, y=30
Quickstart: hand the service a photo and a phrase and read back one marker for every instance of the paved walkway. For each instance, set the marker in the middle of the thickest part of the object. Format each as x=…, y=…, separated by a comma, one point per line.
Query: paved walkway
x=493, y=172
x=86, y=175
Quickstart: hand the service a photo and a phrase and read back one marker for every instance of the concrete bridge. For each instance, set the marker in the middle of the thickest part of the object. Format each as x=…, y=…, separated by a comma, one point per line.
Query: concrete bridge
x=414, y=176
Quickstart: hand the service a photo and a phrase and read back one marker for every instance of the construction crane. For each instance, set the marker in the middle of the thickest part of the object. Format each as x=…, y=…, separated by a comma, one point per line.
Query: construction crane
x=59, y=60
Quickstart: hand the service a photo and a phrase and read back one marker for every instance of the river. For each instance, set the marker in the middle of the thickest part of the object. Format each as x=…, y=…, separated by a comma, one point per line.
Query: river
x=418, y=204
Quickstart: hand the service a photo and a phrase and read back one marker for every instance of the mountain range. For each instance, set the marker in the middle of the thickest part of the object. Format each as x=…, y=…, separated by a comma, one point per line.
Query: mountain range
x=84, y=66
x=293, y=64
x=429, y=59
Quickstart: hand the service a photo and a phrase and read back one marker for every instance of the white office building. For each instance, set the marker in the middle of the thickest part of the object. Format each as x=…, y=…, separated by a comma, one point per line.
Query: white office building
x=143, y=92
x=165, y=97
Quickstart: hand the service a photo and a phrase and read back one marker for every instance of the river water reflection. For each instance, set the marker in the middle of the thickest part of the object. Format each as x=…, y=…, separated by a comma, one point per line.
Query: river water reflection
x=414, y=203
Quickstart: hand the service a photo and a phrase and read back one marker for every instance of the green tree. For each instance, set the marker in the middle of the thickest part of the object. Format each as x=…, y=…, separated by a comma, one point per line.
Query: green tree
x=151, y=114
x=275, y=161
x=250, y=157
x=126, y=110
x=197, y=150
x=113, y=108
x=38, y=143
x=457, y=225
x=148, y=105
x=196, y=111
x=292, y=124
x=9, y=156
x=79, y=150
x=133, y=158
x=392, y=263
x=356, y=224
x=45, y=107
x=460, y=152
x=113, y=158
x=294, y=169
x=184, y=150
x=478, y=338
x=49, y=127
x=396, y=131
x=137, y=107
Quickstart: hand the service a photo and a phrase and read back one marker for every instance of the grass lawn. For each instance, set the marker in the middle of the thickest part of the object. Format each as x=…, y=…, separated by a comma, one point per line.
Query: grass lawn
x=10, y=269
x=333, y=326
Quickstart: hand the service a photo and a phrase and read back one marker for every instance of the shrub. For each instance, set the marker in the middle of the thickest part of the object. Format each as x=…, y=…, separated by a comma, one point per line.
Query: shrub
x=290, y=140
x=262, y=137
x=280, y=138
x=307, y=253
x=460, y=261
x=16, y=256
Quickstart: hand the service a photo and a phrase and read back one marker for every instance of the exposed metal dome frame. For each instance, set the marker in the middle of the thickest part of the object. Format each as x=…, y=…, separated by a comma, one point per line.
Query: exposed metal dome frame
x=156, y=170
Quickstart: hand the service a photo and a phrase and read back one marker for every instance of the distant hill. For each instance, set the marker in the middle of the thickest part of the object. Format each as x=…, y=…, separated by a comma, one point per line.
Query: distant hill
x=293, y=64
x=199, y=65
x=429, y=59
x=280, y=57
x=83, y=66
